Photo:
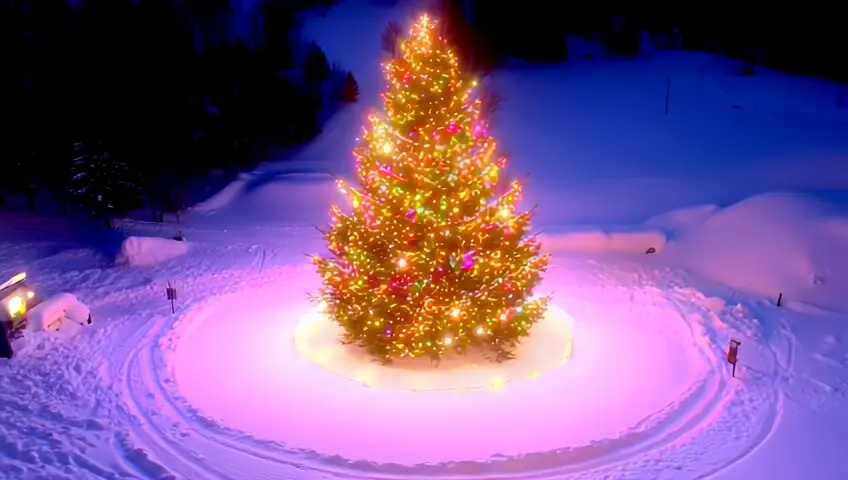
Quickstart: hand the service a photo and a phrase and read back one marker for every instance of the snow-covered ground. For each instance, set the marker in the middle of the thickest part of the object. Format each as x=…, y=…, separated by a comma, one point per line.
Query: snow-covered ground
x=738, y=190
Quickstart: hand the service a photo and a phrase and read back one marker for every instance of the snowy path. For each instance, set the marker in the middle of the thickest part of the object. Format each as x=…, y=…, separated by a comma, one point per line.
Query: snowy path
x=138, y=419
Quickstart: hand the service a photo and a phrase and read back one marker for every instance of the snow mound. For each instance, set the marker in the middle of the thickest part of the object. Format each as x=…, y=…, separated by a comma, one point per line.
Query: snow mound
x=681, y=218
x=148, y=251
x=767, y=244
x=51, y=313
x=603, y=242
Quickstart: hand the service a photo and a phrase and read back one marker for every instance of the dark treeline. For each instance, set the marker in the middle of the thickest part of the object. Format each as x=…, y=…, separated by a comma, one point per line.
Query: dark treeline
x=806, y=40
x=114, y=104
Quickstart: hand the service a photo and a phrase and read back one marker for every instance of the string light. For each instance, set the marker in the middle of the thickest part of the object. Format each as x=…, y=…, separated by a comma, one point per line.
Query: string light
x=430, y=260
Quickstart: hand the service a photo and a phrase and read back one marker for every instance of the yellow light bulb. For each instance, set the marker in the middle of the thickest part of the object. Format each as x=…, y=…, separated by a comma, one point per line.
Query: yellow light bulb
x=387, y=148
x=322, y=306
x=448, y=340
x=456, y=312
x=402, y=263
x=480, y=330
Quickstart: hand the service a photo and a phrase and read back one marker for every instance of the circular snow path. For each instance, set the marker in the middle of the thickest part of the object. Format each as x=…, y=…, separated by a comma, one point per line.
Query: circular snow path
x=223, y=392
x=238, y=364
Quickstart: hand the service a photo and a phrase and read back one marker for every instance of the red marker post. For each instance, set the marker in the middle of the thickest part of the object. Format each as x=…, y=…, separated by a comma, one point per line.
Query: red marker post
x=732, y=353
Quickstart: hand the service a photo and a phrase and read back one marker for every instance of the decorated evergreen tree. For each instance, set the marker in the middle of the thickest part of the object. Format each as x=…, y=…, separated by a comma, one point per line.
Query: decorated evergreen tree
x=429, y=262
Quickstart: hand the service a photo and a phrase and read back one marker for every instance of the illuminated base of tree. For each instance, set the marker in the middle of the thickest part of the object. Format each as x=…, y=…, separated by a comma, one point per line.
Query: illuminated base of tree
x=548, y=347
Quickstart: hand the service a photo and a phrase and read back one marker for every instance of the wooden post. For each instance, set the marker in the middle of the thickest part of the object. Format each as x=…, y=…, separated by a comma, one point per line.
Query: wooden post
x=171, y=294
x=779, y=299
x=179, y=236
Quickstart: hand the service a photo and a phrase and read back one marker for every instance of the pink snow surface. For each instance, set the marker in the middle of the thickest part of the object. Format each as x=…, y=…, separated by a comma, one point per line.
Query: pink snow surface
x=237, y=363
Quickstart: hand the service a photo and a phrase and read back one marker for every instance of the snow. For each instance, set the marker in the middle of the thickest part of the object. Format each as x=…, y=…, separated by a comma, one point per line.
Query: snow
x=316, y=337
x=53, y=312
x=767, y=245
x=605, y=365
x=224, y=196
x=613, y=155
x=149, y=251
x=598, y=241
x=738, y=190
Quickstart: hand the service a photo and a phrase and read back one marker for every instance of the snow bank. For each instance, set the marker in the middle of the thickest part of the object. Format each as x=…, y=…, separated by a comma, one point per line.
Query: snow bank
x=148, y=251
x=603, y=242
x=767, y=244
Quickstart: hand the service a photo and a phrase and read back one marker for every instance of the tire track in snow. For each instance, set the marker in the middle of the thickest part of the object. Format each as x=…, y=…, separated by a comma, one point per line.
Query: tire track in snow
x=771, y=399
x=127, y=444
x=134, y=386
x=670, y=425
x=175, y=434
x=211, y=443
x=782, y=369
x=137, y=449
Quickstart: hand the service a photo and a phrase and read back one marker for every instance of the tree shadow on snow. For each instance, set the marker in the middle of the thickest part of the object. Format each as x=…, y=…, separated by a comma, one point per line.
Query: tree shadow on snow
x=44, y=236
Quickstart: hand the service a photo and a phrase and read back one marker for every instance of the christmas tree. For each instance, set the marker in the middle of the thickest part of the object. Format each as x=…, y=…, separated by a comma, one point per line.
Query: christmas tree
x=429, y=261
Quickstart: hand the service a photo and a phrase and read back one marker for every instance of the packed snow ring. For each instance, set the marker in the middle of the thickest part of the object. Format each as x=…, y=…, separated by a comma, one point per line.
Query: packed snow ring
x=176, y=431
x=548, y=347
x=240, y=366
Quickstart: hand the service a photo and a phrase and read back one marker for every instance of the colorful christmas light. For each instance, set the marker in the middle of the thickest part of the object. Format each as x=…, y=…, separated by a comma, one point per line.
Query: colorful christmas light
x=429, y=261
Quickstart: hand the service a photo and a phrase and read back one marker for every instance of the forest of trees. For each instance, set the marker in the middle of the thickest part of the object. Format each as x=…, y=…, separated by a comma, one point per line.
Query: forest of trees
x=112, y=105
x=805, y=40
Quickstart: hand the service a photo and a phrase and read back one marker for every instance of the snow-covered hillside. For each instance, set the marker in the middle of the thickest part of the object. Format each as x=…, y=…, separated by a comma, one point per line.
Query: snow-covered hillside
x=737, y=192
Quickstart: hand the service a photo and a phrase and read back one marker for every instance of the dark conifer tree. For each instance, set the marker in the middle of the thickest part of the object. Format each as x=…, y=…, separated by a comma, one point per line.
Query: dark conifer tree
x=102, y=186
